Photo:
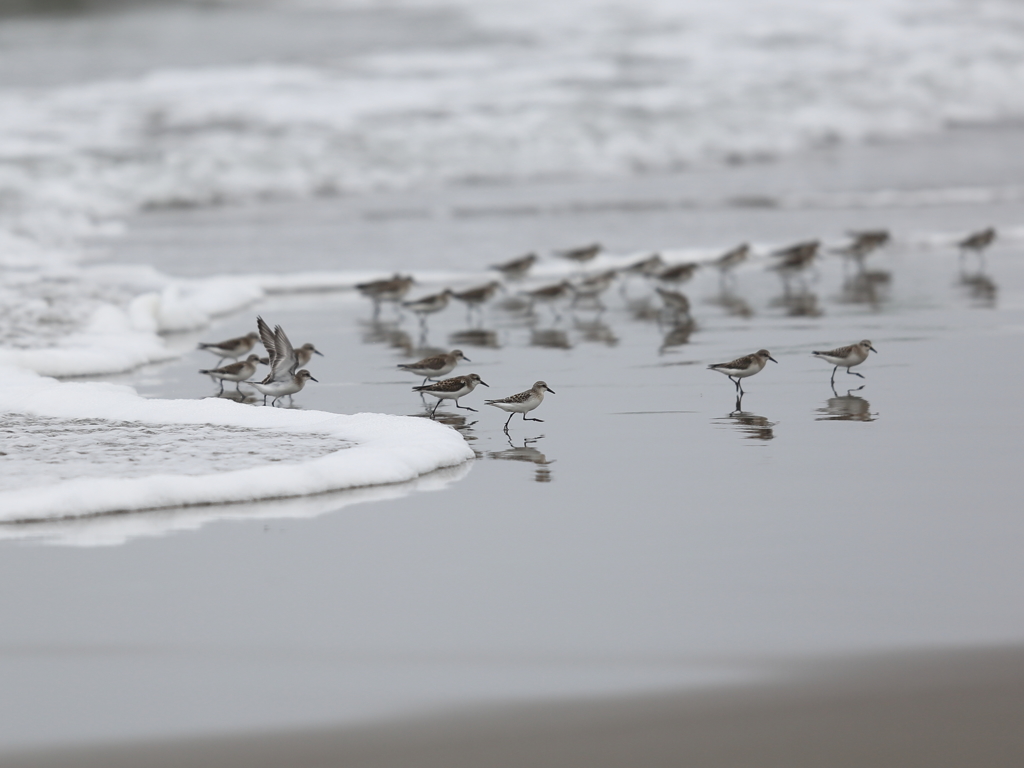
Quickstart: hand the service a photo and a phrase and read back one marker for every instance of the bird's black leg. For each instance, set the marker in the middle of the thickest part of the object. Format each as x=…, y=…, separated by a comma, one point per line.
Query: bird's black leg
x=833, y=382
x=221, y=388
x=435, y=407
x=238, y=387
x=508, y=420
x=464, y=407
x=854, y=373
x=526, y=419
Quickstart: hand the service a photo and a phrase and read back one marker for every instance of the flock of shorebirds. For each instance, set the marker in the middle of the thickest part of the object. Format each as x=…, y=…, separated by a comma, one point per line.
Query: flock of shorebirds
x=287, y=374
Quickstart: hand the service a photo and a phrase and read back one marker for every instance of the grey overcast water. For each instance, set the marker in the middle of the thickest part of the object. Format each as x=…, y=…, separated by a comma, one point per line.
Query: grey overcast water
x=648, y=536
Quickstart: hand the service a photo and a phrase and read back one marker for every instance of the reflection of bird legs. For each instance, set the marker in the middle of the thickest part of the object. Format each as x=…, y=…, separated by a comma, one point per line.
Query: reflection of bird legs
x=848, y=371
x=739, y=404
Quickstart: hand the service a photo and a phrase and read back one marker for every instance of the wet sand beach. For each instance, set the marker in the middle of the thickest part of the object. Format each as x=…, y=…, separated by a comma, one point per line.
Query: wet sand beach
x=922, y=710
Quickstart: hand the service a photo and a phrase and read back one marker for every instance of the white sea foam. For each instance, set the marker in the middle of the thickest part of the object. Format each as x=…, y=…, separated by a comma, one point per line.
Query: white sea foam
x=98, y=419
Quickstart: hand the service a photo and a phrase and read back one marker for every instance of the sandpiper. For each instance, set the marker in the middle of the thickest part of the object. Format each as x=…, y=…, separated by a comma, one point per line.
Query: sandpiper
x=236, y=372
x=847, y=357
x=796, y=257
x=678, y=273
x=744, y=366
x=283, y=378
x=437, y=366
x=232, y=348
x=549, y=294
x=647, y=266
x=591, y=288
x=452, y=389
x=305, y=353
x=428, y=305
x=862, y=243
x=522, y=403
x=392, y=289
x=516, y=268
x=731, y=259
x=582, y=254
x=977, y=242
x=278, y=389
x=476, y=297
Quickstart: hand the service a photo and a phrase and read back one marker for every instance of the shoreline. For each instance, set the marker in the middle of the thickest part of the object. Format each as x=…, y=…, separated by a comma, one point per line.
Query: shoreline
x=926, y=708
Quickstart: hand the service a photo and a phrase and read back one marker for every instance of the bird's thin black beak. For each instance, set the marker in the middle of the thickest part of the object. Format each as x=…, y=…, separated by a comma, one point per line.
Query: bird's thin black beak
x=873, y=350
x=772, y=359
x=316, y=380
x=318, y=352
x=551, y=390
x=484, y=383
x=466, y=359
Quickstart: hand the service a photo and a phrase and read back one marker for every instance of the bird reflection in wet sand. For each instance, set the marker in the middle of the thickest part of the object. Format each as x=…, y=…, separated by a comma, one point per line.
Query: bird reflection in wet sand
x=980, y=287
x=389, y=334
x=550, y=338
x=848, y=407
x=526, y=452
x=866, y=287
x=802, y=303
x=595, y=331
x=456, y=421
x=732, y=303
x=678, y=335
x=475, y=337
x=750, y=425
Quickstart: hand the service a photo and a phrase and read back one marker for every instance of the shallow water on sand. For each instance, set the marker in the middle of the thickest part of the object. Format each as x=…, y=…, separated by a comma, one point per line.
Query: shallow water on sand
x=647, y=534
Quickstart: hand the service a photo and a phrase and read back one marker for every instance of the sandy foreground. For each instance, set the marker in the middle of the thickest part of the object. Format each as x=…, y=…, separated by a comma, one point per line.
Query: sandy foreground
x=934, y=709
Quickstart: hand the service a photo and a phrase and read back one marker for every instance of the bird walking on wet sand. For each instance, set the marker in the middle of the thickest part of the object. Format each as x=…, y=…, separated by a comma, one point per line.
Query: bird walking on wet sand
x=648, y=266
x=523, y=403
x=516, y=268
x=732, y=258
x=589, y=289
x=847, y=357
x=435, y=367
x=977, y=242
x=549, y=294
x=742, y=367
x=796, y=257
x=476, y=297
x=428, y=305
x=236, y=372
x=283, y=378
x=452, y=389
x=582, y=254
x=678, y=273
x=232, y=348
x=863, y=243
x=392, y=289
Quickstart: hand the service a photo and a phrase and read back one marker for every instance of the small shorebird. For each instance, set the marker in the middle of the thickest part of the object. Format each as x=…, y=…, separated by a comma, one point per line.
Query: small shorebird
x=522, y=403
x=428, y=305
x=435, y=367
x=678, y=273
x=731, y=259
x=305, y=353
x=863, y=243
x=647, y=267
x=582, y=254
x=847, y=357
x=232, y=348
x=516, y=268
x=283, y=378
x=280, y=388
x=977, y=242
x=236, y=372
x=476, y=297
x=591, y=288
x=549, y=294
x=392, y=289
x=744, y=366
x=796, y=257
x=452, y=389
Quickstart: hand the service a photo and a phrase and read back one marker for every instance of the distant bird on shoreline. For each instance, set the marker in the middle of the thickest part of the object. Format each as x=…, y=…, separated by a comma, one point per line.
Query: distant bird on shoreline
x=236, y=372
x=516, y=268
x=847, y=357
x=582, y=254
x=428, y=305
x=742, y=367
x=232, y=348
x=435, y=367
x=392, y=290
x=977, y=242
x=452, y=389
x=678, y=273
x=283, y=379
x=523, y=403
